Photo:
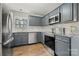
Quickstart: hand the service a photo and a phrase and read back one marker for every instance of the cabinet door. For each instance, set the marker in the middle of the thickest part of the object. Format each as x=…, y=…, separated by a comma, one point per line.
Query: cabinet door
x=17, y=39
x=39, y=37
x=75, y=12
x=20, y=38
x=78, y=11
x=24, y=38
x=54, y=12
x=75, y=45
x=45, y=21
x=66, y=12
x=62, y=46
x=35, y=21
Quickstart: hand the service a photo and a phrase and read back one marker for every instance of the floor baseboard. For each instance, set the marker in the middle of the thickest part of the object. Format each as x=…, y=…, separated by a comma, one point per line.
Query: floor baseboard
x=25, y=44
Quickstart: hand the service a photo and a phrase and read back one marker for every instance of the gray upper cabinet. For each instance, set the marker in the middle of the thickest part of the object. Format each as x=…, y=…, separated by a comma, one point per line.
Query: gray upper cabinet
x=78, y=11
x=54, y=12
x=66, y=12
x=35, y=21
x=75, y=12
x=69, y=12
x=45, y=19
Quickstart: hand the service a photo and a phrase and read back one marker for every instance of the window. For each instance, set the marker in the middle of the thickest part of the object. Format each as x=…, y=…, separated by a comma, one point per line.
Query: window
x=20, y=23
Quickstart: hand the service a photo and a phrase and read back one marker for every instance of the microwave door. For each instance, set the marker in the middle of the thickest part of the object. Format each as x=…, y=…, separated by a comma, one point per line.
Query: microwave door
x=52, y=20
x=56, y=19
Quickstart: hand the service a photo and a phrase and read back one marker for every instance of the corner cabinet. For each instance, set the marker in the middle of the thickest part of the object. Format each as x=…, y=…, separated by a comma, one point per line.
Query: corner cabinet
x=66, y=12
x=35, y=21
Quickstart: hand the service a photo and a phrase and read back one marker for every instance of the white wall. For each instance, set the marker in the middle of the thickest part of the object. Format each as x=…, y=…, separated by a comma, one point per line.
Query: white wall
x=19, y=15
x=66, y=25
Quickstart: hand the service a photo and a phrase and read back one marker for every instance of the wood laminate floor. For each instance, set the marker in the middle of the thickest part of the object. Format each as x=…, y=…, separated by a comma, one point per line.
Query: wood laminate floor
x=31, y=50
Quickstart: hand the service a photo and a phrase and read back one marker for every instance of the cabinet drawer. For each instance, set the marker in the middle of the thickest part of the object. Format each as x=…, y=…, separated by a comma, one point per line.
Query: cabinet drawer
x=63, y=38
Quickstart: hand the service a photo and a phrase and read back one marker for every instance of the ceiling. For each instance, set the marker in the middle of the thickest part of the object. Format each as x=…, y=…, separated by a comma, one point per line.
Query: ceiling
x=38, y=9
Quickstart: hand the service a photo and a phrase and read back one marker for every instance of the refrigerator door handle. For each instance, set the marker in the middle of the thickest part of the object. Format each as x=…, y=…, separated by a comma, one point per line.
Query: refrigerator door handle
x=8, y=41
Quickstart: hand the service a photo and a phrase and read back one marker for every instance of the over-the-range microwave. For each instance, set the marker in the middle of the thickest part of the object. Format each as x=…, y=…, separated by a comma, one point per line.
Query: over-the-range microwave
x=55, y=18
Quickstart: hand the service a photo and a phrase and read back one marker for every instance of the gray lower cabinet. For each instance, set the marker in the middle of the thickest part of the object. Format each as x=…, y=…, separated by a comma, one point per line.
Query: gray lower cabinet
x=75, y=45
x=26, y=38
x=62, y=46
x=20, y=38
x=66, y=12
x=40, y=37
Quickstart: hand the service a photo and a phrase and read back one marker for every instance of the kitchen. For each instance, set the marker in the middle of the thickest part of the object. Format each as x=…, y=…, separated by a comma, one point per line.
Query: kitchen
x=51, y=27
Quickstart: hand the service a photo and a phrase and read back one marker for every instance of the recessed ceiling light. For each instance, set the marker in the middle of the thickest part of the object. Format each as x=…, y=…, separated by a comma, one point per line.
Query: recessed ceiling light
x=20, y=9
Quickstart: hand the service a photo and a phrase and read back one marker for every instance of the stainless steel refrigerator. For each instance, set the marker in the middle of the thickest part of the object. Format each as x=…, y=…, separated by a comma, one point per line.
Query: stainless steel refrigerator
x=7, y=36
x=0, y=30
